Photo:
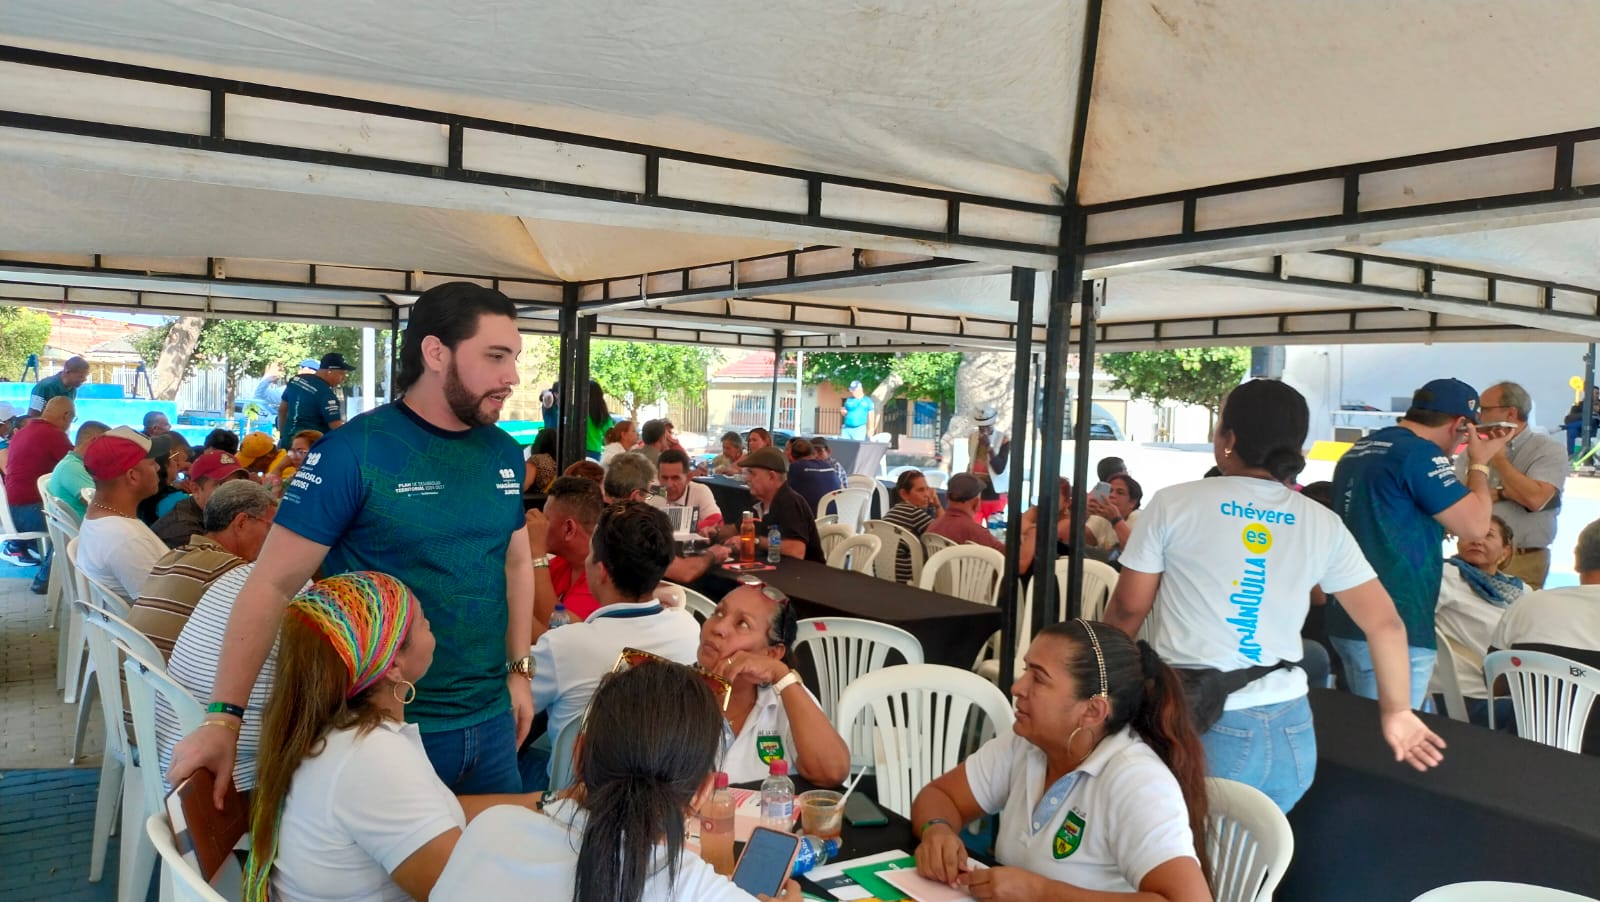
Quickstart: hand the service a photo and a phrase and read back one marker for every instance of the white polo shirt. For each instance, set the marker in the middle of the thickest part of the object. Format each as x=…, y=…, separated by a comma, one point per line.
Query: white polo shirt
x=698, y=495
x=1102, y=827
x=1568, y=617
x=569, y=661
x=1238, y=558
x=355, y=812
x=510, y=852
x=765, y=738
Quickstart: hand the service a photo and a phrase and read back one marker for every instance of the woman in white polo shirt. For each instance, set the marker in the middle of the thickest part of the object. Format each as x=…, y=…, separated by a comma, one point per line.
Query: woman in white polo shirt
x=771, y=715
x=1228, y=565
x=1100, y=783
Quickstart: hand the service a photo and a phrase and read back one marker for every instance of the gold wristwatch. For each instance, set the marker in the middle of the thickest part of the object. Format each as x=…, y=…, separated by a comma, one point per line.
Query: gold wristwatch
x=522, y=665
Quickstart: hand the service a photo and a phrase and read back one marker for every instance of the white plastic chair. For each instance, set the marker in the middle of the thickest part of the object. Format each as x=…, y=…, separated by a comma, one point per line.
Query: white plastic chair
x=933, y=543
x=69, y=638
x=1499, y=891
x=972, y=572
x=852, y=505
x=562, y=762
x=8, y=529
x=919, y=719
x=874, y=488
x=1444, y=675
x=894, y=539
x=120, y=779
x=832, y=536
x=148, y=679
x=694, y=602
x=843, y=649
x=99, y=597
x=936, y=478
x=857, y=553
x=826, y=520
x=1099, y=581
x=178, y=875
x=52, y=594
x=1248, y=840
x=1550, y=694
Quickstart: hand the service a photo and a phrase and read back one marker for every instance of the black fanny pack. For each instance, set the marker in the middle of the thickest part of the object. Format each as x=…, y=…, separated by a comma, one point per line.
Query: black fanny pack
x=1207, y=689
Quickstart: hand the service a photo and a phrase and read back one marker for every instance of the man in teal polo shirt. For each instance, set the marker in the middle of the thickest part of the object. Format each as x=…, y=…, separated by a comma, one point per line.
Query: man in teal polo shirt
x=311, y=400
x=64, y=384
x=426, y=489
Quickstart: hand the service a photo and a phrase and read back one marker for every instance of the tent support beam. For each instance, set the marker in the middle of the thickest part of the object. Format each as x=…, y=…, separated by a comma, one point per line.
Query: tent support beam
x=1022, y=290
x=576, y=329
x=777, y=367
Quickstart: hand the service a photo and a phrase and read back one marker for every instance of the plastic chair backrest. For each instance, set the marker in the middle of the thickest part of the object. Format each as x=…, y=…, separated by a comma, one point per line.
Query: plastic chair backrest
x=8, y=528
x=832, y=535
x=1099, y=581
x=852, y=505
x=936, y=478
x=99, y=594
x=919, y=715
x=972, y=572
x=695, y=603
x=857, y=553
x=187, y=884
x=87, y=494
x=932, y=544
x=147, y=680
x=895, y=538
x=562, y=771
x=843, y=649
x=827, y=520
x=1444, y=671
x=1499, y=891
x=1550, y=694
x=872, y=486
x=1248, y=839
x=104, y=629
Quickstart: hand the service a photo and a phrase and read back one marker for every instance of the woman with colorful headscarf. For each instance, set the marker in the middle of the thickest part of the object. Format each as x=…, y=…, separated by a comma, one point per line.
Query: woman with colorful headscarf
x=346, y=805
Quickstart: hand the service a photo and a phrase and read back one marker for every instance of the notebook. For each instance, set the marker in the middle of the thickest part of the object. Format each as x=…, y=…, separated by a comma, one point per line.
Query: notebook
x=205, y=837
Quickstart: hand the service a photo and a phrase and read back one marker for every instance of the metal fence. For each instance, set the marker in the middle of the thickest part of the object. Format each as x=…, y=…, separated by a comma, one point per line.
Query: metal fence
x=687, y=411
x=830, y=420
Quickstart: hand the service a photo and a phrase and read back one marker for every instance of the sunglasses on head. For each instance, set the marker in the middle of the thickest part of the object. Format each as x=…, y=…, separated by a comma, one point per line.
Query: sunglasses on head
x=721, y=689
x=772, y=592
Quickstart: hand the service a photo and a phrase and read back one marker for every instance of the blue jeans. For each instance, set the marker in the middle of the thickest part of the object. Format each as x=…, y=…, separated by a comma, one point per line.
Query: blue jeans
x=30, y=518
x=477, y=760
x=1363, y=681
x=1270, y=747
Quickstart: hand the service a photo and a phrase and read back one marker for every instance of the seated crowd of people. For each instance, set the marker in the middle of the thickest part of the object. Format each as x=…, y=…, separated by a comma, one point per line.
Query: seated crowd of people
x=378, y=631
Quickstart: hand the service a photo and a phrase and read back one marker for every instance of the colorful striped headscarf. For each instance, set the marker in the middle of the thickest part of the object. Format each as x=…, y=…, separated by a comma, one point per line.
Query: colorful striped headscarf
x=364, y=615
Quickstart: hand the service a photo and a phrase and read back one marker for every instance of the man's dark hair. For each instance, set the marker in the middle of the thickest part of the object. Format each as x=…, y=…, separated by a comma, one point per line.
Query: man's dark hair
x=653, y=431
x=731, y=436
x=673, y=456
x=221, y=440
x=1109, y=467
x=799, y=449
x=1135, y=490
x=579, y=496
x=1428, y=418
x=450, y=313
x=633, y=541
x=818, y=443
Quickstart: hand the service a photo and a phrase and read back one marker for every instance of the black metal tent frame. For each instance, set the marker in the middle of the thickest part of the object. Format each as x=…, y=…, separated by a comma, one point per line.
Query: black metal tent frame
x=1193, y=236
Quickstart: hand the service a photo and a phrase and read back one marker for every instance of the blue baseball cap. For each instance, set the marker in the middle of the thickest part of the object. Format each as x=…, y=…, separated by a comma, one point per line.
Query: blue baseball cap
x=855, y=384
x=309, y=364
x=1448, y=396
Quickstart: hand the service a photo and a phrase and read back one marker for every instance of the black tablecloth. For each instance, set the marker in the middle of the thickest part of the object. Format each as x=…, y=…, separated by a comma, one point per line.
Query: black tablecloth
x=1498, y=808
x=951, y=630
x=733, y=496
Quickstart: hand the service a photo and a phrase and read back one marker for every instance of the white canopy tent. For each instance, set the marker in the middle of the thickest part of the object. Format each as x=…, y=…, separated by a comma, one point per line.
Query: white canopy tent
x=839, y=173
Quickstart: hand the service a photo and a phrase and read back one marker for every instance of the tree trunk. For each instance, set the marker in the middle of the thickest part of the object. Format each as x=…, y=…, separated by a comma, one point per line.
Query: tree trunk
x=880, y=396
x=984, y=379
x=229, y=392
x=176, y=353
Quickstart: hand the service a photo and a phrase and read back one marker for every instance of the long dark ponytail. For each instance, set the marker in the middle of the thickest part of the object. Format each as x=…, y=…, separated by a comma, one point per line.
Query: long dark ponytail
x=1145, y=694
x=649, y=742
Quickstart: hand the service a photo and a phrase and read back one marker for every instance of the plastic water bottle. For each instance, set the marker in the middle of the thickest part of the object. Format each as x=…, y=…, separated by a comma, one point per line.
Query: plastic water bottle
x=716, y=828
x=777, y=798
x=814, y=851
x=559, y=617
x=774, y=545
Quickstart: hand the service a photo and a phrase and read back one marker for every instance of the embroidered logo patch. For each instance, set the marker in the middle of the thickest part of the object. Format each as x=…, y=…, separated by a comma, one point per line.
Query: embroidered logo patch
x=769, y=747
x=1070, y=836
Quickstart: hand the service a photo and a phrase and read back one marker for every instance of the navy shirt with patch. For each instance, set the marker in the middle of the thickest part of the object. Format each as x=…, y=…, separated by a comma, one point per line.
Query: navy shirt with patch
x=313, y=404
x=436, y=509
x=1388, y=487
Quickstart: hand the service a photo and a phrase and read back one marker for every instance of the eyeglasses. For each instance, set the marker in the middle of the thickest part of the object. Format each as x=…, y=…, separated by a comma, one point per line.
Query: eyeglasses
x=721, y=689
x=772, y=592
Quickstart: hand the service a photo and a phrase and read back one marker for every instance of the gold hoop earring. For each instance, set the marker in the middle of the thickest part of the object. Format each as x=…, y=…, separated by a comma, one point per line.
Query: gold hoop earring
x=410, y=691
x=1073, y=735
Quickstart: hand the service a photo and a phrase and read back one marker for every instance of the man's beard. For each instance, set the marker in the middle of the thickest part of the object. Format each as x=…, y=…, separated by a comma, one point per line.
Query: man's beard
x=466, y=407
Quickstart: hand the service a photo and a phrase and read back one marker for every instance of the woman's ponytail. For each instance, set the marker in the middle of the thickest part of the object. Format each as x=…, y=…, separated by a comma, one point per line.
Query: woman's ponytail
x=626, y=817
x=1162, y=721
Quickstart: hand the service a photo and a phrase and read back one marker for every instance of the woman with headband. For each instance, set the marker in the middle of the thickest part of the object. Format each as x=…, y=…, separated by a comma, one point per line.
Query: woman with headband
x=346, y=805
x=1100, y=783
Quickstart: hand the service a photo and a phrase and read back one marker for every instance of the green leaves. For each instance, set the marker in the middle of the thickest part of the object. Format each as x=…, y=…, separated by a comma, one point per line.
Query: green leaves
x=1190, y=375
x=639, y=373
x=22, y=332
x=923, y=374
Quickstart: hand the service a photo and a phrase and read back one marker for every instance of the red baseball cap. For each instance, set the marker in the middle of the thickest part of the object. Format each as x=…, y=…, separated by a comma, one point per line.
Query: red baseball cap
x=216, y=465
x=115, y=453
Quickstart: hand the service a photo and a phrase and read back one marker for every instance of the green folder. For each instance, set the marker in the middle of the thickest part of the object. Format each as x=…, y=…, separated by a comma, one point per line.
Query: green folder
x=867, y=876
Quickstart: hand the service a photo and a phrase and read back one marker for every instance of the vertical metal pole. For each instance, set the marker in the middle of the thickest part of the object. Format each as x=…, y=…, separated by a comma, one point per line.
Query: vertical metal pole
x=394, y=350
x=574, y=400
x=1054, y=389
x=1022, y=282
x=799, y=388
x=777, y=367
x=1080, y=434
x=1588, y=399
x=369, y=358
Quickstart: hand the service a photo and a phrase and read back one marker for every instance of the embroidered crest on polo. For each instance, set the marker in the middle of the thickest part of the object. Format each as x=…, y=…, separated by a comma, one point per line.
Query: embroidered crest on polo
x=769, y=747
x=1070, y=836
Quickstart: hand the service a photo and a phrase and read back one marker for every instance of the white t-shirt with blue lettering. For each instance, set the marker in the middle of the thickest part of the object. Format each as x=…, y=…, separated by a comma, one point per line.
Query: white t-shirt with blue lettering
x=1238, y=557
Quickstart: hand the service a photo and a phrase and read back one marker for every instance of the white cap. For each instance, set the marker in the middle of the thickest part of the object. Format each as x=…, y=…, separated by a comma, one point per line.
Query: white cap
x=7, y=412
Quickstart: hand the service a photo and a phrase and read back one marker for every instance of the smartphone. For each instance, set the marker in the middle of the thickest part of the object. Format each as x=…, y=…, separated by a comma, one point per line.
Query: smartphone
x=1498, y=424
x=1102, y=490
x=861, y=811
x=767, y=860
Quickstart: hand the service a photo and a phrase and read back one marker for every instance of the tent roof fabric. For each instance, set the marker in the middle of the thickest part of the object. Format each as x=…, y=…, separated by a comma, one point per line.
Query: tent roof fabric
x=329, y=161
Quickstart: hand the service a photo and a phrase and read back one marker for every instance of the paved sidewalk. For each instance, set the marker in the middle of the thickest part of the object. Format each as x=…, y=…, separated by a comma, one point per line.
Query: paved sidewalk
x=35, y=726
x=46, y=830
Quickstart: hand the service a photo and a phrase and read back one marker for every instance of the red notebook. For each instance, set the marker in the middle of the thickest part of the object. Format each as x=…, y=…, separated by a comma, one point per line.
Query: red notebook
x=205, y=837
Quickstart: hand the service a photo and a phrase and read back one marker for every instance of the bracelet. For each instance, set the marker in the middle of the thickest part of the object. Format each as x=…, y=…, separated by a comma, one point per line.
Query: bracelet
x=220, y=723
x=785, y=681
x=225, y=708
x=542, y=562
x=930, y=822
x=1480, y=468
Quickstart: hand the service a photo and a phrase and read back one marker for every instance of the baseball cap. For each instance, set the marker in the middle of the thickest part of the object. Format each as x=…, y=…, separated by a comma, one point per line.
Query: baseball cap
x=768, y=458
x=115, y=453
x=1448, y=396
x=963, y=487
x=7, y=412
x=253, y=447
x=216, y=466
x=333, y=361
x=309, y=364
x=855, y=384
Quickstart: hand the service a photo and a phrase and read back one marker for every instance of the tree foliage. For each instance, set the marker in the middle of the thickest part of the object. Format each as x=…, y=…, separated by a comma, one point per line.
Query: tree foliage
x=1200, y=376
x=638, y=374
x=22, y=332
x=920, y=374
